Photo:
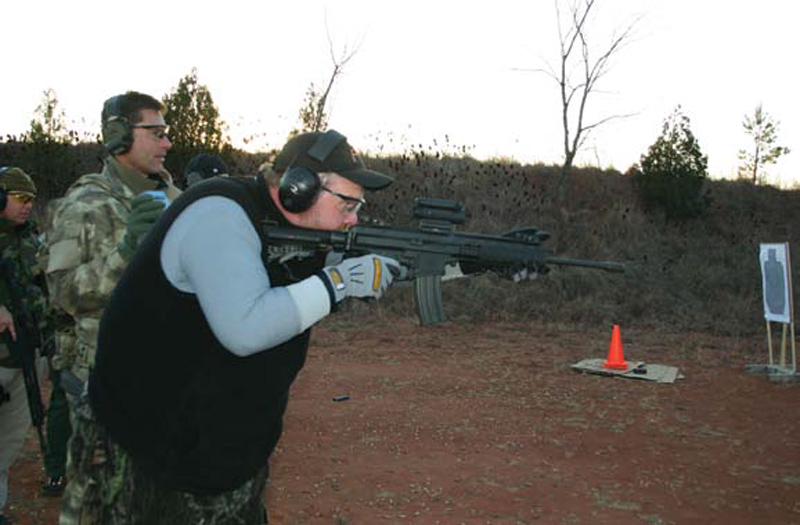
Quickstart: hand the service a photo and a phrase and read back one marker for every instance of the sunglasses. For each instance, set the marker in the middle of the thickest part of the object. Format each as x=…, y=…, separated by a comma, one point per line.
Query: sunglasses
x=159, y=131
x=350, y=204
x=22, y=197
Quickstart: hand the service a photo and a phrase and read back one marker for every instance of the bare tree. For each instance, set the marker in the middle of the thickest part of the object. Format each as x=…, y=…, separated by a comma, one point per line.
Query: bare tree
x=578, y=74
x=314, y=113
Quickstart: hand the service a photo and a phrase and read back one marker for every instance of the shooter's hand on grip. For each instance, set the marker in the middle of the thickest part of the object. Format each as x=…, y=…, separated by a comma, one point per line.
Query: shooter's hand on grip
x=367, y=276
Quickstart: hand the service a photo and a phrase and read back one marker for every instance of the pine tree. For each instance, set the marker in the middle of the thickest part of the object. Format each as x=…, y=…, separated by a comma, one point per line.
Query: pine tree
x=194, y=124
x=48, y=155
x=673, y=171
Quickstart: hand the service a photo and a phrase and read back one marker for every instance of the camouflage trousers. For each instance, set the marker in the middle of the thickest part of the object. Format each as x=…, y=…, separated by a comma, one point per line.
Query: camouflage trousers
x=105, y=487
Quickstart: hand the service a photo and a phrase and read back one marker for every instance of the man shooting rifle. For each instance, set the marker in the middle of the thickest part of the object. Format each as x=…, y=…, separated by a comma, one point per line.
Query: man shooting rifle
x=428, y=251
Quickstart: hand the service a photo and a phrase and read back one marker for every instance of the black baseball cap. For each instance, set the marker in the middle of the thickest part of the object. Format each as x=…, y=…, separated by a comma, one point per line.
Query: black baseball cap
x=204, y=166
x=325, y=152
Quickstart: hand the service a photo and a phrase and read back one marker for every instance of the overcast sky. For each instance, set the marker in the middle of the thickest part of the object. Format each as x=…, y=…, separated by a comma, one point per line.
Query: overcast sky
x=424, y=71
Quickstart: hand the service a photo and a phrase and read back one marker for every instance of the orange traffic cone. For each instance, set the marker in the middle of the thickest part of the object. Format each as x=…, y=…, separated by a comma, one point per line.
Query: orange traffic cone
x=615, y=358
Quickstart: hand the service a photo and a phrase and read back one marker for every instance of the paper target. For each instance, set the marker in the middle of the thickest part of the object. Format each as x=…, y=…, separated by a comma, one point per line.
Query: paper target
x=777, y=283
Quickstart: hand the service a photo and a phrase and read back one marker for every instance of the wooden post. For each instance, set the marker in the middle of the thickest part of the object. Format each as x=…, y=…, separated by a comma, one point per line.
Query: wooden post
x=769, y=342
x=783, y=345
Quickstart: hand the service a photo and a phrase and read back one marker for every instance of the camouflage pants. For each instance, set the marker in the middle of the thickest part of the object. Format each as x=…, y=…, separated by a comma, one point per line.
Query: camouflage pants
x=106, y=488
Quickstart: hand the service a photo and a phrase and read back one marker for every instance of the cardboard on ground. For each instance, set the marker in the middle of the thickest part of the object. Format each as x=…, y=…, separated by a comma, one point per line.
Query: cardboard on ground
x=645, y=371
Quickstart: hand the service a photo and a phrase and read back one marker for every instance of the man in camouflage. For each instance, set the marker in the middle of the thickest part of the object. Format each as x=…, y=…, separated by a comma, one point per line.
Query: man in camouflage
x=19, y=244
x=96, y=228
x=97, y=224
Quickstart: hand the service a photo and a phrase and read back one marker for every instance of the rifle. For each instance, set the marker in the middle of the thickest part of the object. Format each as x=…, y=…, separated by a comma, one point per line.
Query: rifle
x=435, y=244
x=29, y=339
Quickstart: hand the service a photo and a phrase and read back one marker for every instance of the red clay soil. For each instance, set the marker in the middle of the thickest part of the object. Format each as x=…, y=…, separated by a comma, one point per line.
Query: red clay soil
x=489, y=424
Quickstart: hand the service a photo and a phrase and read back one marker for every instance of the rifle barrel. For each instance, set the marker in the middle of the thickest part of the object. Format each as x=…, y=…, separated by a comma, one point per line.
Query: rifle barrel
x=600, y=265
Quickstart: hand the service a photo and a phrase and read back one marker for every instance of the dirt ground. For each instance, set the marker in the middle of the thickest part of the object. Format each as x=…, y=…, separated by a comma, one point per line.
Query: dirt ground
x=490, y=425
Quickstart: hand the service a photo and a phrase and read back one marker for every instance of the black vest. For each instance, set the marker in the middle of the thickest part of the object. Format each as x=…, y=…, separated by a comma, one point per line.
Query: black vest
x=191, y=414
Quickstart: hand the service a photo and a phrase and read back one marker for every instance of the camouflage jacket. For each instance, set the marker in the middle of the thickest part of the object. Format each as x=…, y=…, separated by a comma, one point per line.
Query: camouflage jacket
x=19, y=246
x=81, y=257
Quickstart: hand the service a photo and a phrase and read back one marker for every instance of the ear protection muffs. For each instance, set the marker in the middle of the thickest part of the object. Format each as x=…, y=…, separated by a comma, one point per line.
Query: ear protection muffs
x=3, y=191
x=117, y=130
x=300, y=186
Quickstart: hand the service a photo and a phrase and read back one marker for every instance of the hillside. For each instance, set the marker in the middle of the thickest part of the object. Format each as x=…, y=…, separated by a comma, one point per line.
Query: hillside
x=699, y=275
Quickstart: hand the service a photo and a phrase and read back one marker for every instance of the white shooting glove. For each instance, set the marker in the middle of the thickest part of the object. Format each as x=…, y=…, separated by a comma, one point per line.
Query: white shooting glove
x=366, y=277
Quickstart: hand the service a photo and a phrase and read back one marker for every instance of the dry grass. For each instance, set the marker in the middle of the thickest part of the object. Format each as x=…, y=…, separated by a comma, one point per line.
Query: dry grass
x=697, y=275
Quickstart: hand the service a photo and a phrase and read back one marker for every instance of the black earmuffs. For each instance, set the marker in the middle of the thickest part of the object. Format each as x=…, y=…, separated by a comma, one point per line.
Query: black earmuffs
x=300, y=186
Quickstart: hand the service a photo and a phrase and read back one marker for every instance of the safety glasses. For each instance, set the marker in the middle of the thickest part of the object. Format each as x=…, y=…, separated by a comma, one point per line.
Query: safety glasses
x=22, y=197
x=350, y=204
x=158, y=131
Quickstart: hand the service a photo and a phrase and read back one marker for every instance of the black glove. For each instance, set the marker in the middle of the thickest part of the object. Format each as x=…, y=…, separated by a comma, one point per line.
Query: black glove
x=529, y=235
x=522, y=272
x=516, y=272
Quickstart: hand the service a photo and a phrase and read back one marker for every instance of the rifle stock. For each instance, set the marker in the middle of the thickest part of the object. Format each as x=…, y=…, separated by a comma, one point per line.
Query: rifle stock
x=426, y=251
